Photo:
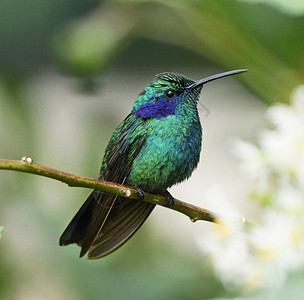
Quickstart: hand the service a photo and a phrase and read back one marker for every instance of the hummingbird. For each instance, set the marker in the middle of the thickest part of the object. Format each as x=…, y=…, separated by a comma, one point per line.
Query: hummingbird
x=155, y=147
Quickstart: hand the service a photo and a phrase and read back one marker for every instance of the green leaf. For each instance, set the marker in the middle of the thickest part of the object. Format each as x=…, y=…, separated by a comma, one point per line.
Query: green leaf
x=88, y=45
x=291, y=7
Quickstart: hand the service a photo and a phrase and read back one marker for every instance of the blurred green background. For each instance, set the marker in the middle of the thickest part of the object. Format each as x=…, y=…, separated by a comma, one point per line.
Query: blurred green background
x=70, y=72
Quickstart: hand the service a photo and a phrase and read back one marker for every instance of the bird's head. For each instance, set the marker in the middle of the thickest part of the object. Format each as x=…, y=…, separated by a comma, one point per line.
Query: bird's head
x=168, y=91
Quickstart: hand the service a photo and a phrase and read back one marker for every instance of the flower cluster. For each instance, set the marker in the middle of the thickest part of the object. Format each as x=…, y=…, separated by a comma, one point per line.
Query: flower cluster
x=255, y=256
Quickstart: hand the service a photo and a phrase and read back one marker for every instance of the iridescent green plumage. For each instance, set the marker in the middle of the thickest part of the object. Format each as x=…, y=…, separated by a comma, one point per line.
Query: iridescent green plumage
x=155, y=147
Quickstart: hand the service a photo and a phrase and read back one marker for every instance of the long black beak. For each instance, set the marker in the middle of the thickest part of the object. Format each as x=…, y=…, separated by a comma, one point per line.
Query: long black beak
x=214, y=77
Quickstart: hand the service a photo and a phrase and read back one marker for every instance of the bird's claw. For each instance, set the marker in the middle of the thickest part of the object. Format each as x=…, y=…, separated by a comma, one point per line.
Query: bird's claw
x=169, y=198
x=141, y=193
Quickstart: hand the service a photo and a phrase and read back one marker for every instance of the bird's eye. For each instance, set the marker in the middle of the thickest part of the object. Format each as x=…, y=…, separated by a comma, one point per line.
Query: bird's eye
x=170, y=93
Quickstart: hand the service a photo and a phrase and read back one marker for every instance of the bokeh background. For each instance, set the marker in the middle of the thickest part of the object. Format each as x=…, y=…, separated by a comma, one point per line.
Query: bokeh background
x=70, y=72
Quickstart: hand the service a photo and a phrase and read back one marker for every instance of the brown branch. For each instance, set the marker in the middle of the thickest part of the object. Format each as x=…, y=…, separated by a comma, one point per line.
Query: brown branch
x=27, y=165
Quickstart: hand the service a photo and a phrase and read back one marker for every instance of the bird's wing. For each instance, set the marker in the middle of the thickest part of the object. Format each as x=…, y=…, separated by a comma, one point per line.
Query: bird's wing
x=106, y=221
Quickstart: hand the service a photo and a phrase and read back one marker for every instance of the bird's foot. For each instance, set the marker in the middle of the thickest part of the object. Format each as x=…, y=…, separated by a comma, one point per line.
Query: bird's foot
x=141, y=193
x=169, y=198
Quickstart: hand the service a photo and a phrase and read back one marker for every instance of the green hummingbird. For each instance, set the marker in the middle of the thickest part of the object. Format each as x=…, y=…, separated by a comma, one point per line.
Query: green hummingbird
x=156, y=146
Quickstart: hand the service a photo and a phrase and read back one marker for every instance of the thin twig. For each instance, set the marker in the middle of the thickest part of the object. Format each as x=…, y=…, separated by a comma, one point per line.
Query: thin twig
x=27, y=165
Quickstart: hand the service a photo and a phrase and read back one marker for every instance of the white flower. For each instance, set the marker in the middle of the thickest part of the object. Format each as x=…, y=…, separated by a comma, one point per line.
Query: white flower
x=290, y=200
x=279, y=241
x=253, y=257
x=283, y=147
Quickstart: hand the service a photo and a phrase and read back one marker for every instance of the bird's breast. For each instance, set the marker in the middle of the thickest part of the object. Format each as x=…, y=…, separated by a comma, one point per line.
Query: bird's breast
x=169, y=155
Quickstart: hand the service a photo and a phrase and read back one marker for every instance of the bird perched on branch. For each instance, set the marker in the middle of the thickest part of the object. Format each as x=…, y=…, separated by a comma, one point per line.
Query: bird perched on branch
x=156, y=146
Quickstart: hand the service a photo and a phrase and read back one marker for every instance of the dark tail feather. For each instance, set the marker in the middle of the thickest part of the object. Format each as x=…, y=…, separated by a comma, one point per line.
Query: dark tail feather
x=121, y=224
x=117, y=224
x=76, y=230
